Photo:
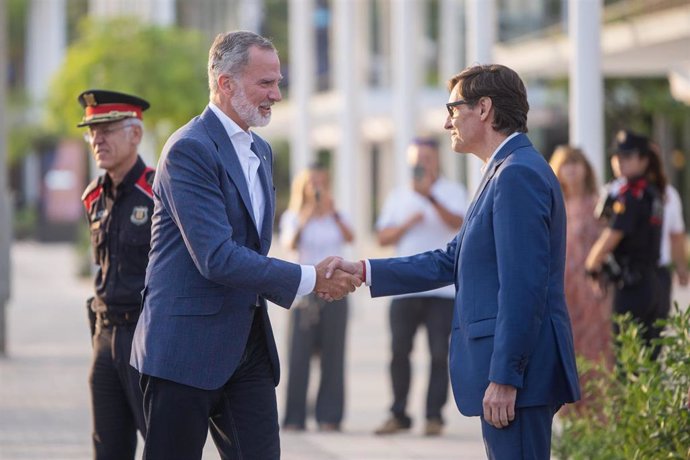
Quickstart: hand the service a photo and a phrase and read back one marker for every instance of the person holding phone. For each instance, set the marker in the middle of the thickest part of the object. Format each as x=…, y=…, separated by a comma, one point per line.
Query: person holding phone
x=313, y=228
x=421, y=217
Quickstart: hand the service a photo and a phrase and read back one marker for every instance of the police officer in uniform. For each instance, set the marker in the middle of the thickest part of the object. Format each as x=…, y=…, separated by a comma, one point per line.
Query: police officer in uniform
x=627, y=252
x=119, y=206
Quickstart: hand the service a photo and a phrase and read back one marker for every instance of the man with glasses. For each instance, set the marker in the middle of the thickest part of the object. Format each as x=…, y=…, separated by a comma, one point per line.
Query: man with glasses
x=511, y=350
x=119, y=206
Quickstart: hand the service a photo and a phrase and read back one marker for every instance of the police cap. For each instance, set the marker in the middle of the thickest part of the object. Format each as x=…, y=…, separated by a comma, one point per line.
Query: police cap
x=629, y=143
x=101, y=106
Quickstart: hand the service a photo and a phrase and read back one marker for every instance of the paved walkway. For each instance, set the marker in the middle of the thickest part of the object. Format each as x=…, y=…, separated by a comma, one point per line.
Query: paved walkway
x=44, y=407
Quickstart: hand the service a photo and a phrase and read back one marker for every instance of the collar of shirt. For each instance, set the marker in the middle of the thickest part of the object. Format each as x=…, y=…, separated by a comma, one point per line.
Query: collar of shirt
x=485, y=166
x=241, y=139
x=128, y=181
x=249, y=161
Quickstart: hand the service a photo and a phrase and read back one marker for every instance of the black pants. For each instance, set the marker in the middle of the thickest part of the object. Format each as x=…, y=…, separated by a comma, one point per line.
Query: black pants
x=664, y=277
x=644, y=301
x=116, y=398
x=241, y=415
x=317, y=327
x=406, y=315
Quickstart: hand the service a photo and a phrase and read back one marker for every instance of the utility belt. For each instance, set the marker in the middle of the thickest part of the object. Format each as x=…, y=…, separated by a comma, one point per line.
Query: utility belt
x=110, y=318
x=625, y=274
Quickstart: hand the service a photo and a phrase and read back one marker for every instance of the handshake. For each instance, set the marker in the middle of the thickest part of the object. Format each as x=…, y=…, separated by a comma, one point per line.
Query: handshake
x=336, y=278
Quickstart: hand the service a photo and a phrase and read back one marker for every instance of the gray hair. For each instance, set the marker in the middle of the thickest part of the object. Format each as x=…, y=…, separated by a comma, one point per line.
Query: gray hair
x=129, y=122
x=229, y=55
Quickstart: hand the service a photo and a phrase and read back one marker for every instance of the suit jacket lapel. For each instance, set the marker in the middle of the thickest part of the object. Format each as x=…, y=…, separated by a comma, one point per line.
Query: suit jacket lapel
x=470, y=212
x=517, y=142
x=228, y=157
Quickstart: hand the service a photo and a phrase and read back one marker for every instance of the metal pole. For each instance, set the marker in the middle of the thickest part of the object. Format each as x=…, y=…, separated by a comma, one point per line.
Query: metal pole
x=5, y=226
x=586, y=81
x=301, y=73
x=480, y=35
x=405, y=39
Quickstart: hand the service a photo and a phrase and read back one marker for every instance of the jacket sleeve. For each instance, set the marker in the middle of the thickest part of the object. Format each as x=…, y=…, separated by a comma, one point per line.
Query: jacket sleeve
x=418, y=273
x=189, y=188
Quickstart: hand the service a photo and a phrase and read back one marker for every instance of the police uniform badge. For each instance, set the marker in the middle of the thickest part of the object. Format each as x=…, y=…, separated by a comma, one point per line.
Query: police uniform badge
x=90, y=100
x=140, y=215
x=618, y=207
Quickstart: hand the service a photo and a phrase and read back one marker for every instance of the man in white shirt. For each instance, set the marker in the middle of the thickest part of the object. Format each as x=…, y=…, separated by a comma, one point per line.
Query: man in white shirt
x=673, y=247
x=421, y=217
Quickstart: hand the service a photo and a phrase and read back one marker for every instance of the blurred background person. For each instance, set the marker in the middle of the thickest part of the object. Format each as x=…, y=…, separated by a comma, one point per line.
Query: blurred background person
x=315, y=229
x=424, y=216
x=627, y=252
x=589, y=309
x=119, y=206
x=673, y=255
x=673, y=249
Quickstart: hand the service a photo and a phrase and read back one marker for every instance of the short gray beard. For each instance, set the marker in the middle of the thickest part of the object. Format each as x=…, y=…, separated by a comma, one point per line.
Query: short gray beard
x=246, y=111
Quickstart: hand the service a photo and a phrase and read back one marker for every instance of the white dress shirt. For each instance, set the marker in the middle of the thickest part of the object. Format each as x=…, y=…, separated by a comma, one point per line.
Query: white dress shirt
x=485, y=166
x=672, y=224
x=242, y=141
x=320, y=237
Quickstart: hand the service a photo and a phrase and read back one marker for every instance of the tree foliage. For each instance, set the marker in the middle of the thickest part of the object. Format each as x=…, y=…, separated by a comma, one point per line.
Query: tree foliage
x=164, y=65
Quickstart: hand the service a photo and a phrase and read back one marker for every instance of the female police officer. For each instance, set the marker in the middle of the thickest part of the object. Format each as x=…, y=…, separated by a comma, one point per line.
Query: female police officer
x=633, y=235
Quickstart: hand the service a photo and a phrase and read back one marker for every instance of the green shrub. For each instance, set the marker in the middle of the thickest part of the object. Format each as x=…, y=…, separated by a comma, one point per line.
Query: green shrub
x=638, y=410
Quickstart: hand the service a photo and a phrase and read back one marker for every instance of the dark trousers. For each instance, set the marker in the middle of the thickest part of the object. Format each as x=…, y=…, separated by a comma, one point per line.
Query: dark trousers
x=644, y=302
x=317, y=327
x=116, y=398
x=664, y=277
x=528, y=437
x=406, y=315
x=241, y=415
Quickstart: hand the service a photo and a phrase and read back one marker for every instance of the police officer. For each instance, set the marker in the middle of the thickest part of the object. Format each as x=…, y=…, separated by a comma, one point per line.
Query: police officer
x=119, y=205
x=627, y=251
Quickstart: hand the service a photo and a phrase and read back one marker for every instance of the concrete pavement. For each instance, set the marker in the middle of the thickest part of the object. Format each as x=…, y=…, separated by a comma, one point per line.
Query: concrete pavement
x=44, y=403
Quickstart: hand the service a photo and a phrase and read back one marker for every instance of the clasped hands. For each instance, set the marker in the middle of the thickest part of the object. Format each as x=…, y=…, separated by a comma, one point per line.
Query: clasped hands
x=336, y=278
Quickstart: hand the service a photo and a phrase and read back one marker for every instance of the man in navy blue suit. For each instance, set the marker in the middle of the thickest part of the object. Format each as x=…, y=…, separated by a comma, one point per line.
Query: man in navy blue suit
x=203, y=343
x=511, y=350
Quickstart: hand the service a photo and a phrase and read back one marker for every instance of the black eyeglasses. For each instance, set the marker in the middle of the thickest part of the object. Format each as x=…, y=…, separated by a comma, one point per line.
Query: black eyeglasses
x=451, y=106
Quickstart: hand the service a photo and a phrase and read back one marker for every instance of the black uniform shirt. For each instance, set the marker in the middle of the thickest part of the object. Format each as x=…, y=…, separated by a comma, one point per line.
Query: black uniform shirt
x=120, y=223
x=638, y=213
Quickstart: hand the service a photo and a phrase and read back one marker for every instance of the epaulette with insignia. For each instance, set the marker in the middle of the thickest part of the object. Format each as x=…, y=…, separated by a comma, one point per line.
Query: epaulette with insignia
x=92, y=192
x=145, y=181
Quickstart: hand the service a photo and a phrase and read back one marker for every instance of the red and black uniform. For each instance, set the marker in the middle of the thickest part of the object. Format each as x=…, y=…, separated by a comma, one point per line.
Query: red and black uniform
x=638, y=213
x=120, y=224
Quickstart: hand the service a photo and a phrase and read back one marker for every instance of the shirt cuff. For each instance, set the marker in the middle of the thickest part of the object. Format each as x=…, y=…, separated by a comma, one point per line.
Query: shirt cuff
x=367, y=281
x=308, y=281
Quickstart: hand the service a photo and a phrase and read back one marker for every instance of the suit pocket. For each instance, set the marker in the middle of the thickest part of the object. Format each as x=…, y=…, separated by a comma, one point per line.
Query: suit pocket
x=483, y=328
x=197, y=306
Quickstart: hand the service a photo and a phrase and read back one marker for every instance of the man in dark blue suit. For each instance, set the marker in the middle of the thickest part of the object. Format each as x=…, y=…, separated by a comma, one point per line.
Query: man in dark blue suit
x=511, y=351
x=203, y=344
